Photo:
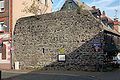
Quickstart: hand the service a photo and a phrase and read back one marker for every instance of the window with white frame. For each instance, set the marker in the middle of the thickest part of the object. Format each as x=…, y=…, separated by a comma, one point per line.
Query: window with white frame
x=38, y=12
x=1, y=26
x=1, y=5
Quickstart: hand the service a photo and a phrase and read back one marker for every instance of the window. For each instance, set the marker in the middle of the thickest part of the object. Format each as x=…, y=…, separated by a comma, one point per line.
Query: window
x=70, y=5
x=46, y=2
x=4, y=52
x=38, y=12
x=112, y=38
x=41, y=1
x=1, y=5
x=1, y=27
x=105, y=37
x=43, y=50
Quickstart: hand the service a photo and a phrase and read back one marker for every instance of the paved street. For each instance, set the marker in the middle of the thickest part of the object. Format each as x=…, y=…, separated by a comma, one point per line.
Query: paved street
x=60, y=75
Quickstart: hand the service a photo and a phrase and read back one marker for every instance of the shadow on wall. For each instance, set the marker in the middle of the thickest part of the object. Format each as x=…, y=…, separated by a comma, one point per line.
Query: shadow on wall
x=82, y=58
x=79, y=59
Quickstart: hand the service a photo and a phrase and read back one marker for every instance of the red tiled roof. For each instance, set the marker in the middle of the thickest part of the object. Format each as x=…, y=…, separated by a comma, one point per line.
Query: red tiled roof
x=103, y=15
x=116, y=23
x=109, y=19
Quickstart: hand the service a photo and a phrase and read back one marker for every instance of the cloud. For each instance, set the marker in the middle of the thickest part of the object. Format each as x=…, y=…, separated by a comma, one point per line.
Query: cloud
x=106, y=5
x=101, y=3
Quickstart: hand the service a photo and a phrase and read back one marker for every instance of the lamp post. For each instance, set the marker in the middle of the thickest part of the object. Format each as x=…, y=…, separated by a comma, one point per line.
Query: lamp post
x=97, y=66
x=97, y=46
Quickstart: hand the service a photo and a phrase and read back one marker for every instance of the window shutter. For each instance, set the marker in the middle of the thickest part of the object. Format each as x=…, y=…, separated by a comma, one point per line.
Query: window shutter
x=4, y=52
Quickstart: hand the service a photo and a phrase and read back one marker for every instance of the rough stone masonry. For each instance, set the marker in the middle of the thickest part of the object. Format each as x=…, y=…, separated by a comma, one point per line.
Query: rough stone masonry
x=68, y=30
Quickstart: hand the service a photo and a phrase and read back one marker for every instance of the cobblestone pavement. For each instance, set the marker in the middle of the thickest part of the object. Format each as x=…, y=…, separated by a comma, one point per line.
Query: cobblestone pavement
x=60, y=75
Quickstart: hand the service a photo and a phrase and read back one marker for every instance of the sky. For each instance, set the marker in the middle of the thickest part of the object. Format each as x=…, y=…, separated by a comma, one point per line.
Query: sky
x=111, y=7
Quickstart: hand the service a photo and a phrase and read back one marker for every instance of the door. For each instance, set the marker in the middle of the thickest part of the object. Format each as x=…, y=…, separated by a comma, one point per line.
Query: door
x=4, y=52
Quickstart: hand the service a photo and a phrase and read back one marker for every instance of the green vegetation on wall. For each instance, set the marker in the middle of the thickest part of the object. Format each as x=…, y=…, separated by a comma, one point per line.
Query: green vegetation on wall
x=79, y=9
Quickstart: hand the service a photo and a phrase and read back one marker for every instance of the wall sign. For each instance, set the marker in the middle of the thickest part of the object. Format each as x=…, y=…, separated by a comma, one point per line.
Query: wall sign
x=96, y=44
x=61, y=57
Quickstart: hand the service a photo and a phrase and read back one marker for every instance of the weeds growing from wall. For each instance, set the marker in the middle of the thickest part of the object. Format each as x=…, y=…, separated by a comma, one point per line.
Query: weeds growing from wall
x=79, y=9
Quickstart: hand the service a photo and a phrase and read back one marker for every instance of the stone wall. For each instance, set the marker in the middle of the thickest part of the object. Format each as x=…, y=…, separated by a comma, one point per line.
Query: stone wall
x=68, y=30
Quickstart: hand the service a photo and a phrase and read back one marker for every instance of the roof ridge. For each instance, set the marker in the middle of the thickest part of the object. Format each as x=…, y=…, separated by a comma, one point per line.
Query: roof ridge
x=85, y=6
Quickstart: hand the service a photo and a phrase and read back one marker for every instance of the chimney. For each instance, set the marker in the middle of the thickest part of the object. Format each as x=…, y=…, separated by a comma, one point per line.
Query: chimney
x=94, y=7
x=103, y=13
x=116, y=22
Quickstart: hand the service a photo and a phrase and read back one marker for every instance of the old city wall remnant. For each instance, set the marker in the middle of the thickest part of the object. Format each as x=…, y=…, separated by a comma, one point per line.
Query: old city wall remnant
x=68, y=30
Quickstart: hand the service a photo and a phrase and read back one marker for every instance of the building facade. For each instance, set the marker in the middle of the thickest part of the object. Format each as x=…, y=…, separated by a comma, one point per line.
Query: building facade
x=117, y=26
x=10, y=12
x=20, y=8
x=5, y=31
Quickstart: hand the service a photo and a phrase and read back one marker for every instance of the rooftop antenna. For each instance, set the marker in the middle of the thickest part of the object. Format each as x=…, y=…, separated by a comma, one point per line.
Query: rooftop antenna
x=115, y=16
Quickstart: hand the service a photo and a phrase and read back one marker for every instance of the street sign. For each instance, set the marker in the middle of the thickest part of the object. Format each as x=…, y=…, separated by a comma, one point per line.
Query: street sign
x=61, y=57
x=96, y=44
x=96, y=48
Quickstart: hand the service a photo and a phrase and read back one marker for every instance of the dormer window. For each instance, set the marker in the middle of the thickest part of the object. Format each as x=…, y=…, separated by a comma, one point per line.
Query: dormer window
x=69, y=5
x=1, y=5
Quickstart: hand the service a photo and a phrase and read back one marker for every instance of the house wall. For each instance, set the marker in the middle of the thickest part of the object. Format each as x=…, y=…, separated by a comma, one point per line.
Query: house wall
x=119, y=28
x=67, y=5
x=111, y=42
x=6, y=63
x=4, y=16
x=18, y=9
x=68, y=30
